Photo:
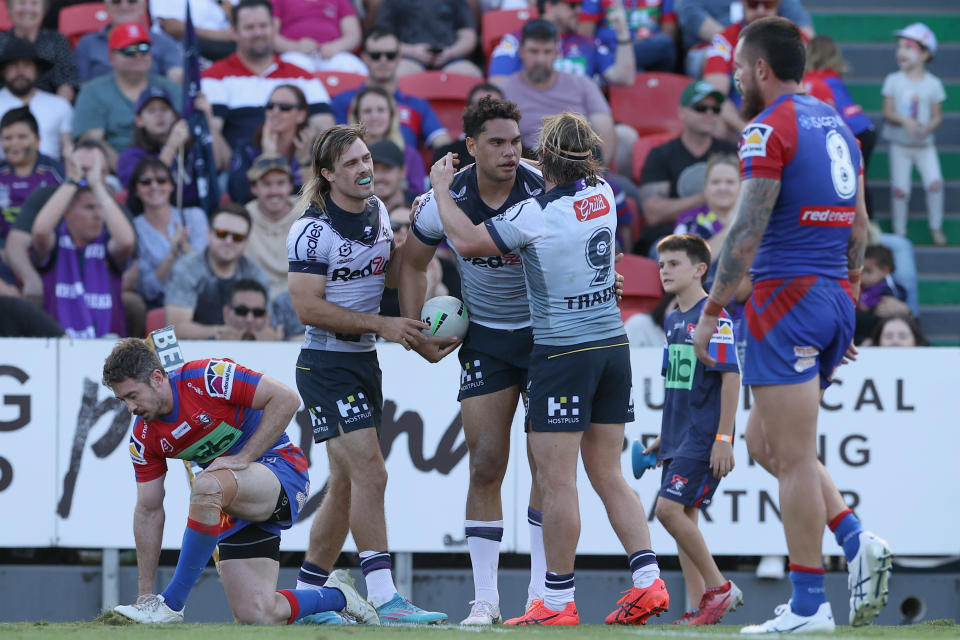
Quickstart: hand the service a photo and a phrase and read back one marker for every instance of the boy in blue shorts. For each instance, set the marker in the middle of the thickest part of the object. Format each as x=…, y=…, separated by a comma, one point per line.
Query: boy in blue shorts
x=696, y=440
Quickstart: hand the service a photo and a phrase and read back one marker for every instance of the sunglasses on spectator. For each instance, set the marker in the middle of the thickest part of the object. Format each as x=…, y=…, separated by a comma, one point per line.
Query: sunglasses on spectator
x=756, y=4
x=134, y=49
x=223, y=234
x=703, y=108
x=283, y=106
x=124, y=2
x=243, y=311
x=148, y=180
x=396, y=226
x=389, y=55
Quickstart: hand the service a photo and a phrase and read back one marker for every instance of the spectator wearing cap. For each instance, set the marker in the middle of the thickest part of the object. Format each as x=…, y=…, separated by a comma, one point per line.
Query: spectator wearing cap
x=25, y=169
x=319, y=36
x=159, y=132
x=93, y=51
x=375, y=109
x=106, y=106
x=389, y=170
x=164, y=233
x=272, y=212
x=651, y=29
x=200, y=283
x=609, y=58
x=20, y=67
x=540, y=90
x=239, y=86
x=419, y=123
x=27, y=15
x=673, y=175
x=434, y=34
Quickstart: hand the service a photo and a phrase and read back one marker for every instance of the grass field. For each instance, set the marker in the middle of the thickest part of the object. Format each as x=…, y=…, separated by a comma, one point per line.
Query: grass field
x=127, y=631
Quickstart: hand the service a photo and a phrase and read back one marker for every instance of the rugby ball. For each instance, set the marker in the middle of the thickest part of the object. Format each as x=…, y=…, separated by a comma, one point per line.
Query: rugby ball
x=447, y=317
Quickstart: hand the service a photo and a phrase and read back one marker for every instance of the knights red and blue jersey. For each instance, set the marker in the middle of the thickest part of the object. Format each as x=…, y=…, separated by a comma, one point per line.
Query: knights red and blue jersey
x=691, y=399
x=826, y=85
x=803, y=143
x=211, y=417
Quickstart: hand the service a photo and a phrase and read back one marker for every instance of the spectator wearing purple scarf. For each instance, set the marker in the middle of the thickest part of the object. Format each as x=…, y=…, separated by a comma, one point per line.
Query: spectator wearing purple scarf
x=82, y=241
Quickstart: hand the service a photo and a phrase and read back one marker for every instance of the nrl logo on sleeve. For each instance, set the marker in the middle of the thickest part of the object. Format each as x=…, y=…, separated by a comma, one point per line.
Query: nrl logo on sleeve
x=753, y=143
x=218, y=378
x=592, y=207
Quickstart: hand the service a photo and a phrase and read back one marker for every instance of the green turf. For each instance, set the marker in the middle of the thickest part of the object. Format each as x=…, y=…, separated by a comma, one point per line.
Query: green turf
x=919, y=232
x=880, y=166
x=868, y=95
x=866, y=27
x=96, y=631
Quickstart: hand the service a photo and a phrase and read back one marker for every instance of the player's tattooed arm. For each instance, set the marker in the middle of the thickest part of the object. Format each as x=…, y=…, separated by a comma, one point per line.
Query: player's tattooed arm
x=757, y=198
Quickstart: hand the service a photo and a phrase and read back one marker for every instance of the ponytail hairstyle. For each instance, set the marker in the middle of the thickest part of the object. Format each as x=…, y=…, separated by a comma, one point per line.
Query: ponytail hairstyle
x=566, y=149
x=327, y=149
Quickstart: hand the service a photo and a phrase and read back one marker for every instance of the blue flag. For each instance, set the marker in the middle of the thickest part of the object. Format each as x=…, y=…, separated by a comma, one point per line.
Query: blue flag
x=199, y=163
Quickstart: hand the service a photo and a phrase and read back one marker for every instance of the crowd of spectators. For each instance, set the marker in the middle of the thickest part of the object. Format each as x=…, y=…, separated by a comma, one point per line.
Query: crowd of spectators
x=101, y=221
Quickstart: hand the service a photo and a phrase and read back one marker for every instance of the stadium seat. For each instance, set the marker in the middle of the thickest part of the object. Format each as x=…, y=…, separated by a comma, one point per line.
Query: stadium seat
x=641, y=285
x=496, y=24
x=156, y=319
x=336, y=82
x=5, y=22
x=80, y=19
x=650, y=104
x=446, y=93
x=642, y=147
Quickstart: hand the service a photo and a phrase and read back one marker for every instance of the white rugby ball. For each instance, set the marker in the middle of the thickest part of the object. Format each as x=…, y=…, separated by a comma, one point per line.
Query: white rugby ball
x=447, y=317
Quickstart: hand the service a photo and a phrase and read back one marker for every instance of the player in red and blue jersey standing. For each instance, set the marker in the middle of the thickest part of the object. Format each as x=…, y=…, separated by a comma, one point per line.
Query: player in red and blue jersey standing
x=230, y=420
x=802, y=223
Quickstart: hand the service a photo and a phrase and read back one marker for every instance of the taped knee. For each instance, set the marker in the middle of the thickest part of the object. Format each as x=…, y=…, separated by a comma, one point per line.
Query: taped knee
x=216, y=489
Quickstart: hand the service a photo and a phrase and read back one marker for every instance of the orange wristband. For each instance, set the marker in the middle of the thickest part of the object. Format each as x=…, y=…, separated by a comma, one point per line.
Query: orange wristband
x=854, y=275
x=712, y=308
x=725, y=438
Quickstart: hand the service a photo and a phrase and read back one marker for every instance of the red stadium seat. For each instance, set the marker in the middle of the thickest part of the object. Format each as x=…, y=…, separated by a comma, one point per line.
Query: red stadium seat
x=650, y=104
x=156, y=319
x=496, y=24
x=80, y=19
x=336, y=82
x=641, y=284
x=5, y=21
x=446, y=92
x=642, y=148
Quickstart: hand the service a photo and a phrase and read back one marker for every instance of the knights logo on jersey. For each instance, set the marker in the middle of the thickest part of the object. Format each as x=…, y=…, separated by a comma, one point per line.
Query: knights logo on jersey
x=753, y=142
x=218, y=378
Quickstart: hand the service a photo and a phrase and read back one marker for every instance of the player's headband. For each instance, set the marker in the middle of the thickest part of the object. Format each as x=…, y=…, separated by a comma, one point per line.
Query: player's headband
x=573, y=156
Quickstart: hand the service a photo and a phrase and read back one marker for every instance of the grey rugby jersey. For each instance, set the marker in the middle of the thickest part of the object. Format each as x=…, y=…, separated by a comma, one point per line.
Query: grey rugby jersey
x=566, y=238
x=493, y=287
x=352, y=251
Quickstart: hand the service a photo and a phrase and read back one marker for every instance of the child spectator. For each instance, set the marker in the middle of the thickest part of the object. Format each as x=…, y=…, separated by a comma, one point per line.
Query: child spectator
x=823, y=80
x=695, y=445
x=880, y=296
x=25, y=168
x=913, y=109
x=898, y=331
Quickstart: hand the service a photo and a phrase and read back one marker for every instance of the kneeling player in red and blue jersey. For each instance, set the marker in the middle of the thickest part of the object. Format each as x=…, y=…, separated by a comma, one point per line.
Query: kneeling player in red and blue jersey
x=802, y=223
x=230, y=420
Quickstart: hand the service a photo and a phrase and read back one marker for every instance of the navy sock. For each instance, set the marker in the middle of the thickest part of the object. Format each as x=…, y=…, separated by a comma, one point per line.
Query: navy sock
x=312, y=574
x=846, y=529
x=304, y=602
x=199, y=541
x=808, y=593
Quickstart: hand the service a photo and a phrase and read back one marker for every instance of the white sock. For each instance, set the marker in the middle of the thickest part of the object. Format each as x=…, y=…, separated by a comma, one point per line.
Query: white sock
x=538, y=558
x=380, y=587
x=485, y=559
x=556, y=599
x=646, y=575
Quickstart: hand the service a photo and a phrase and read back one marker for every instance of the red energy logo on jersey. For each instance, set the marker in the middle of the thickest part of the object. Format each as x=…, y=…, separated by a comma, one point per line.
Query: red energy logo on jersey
x=827, y=216
x=592, y=207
